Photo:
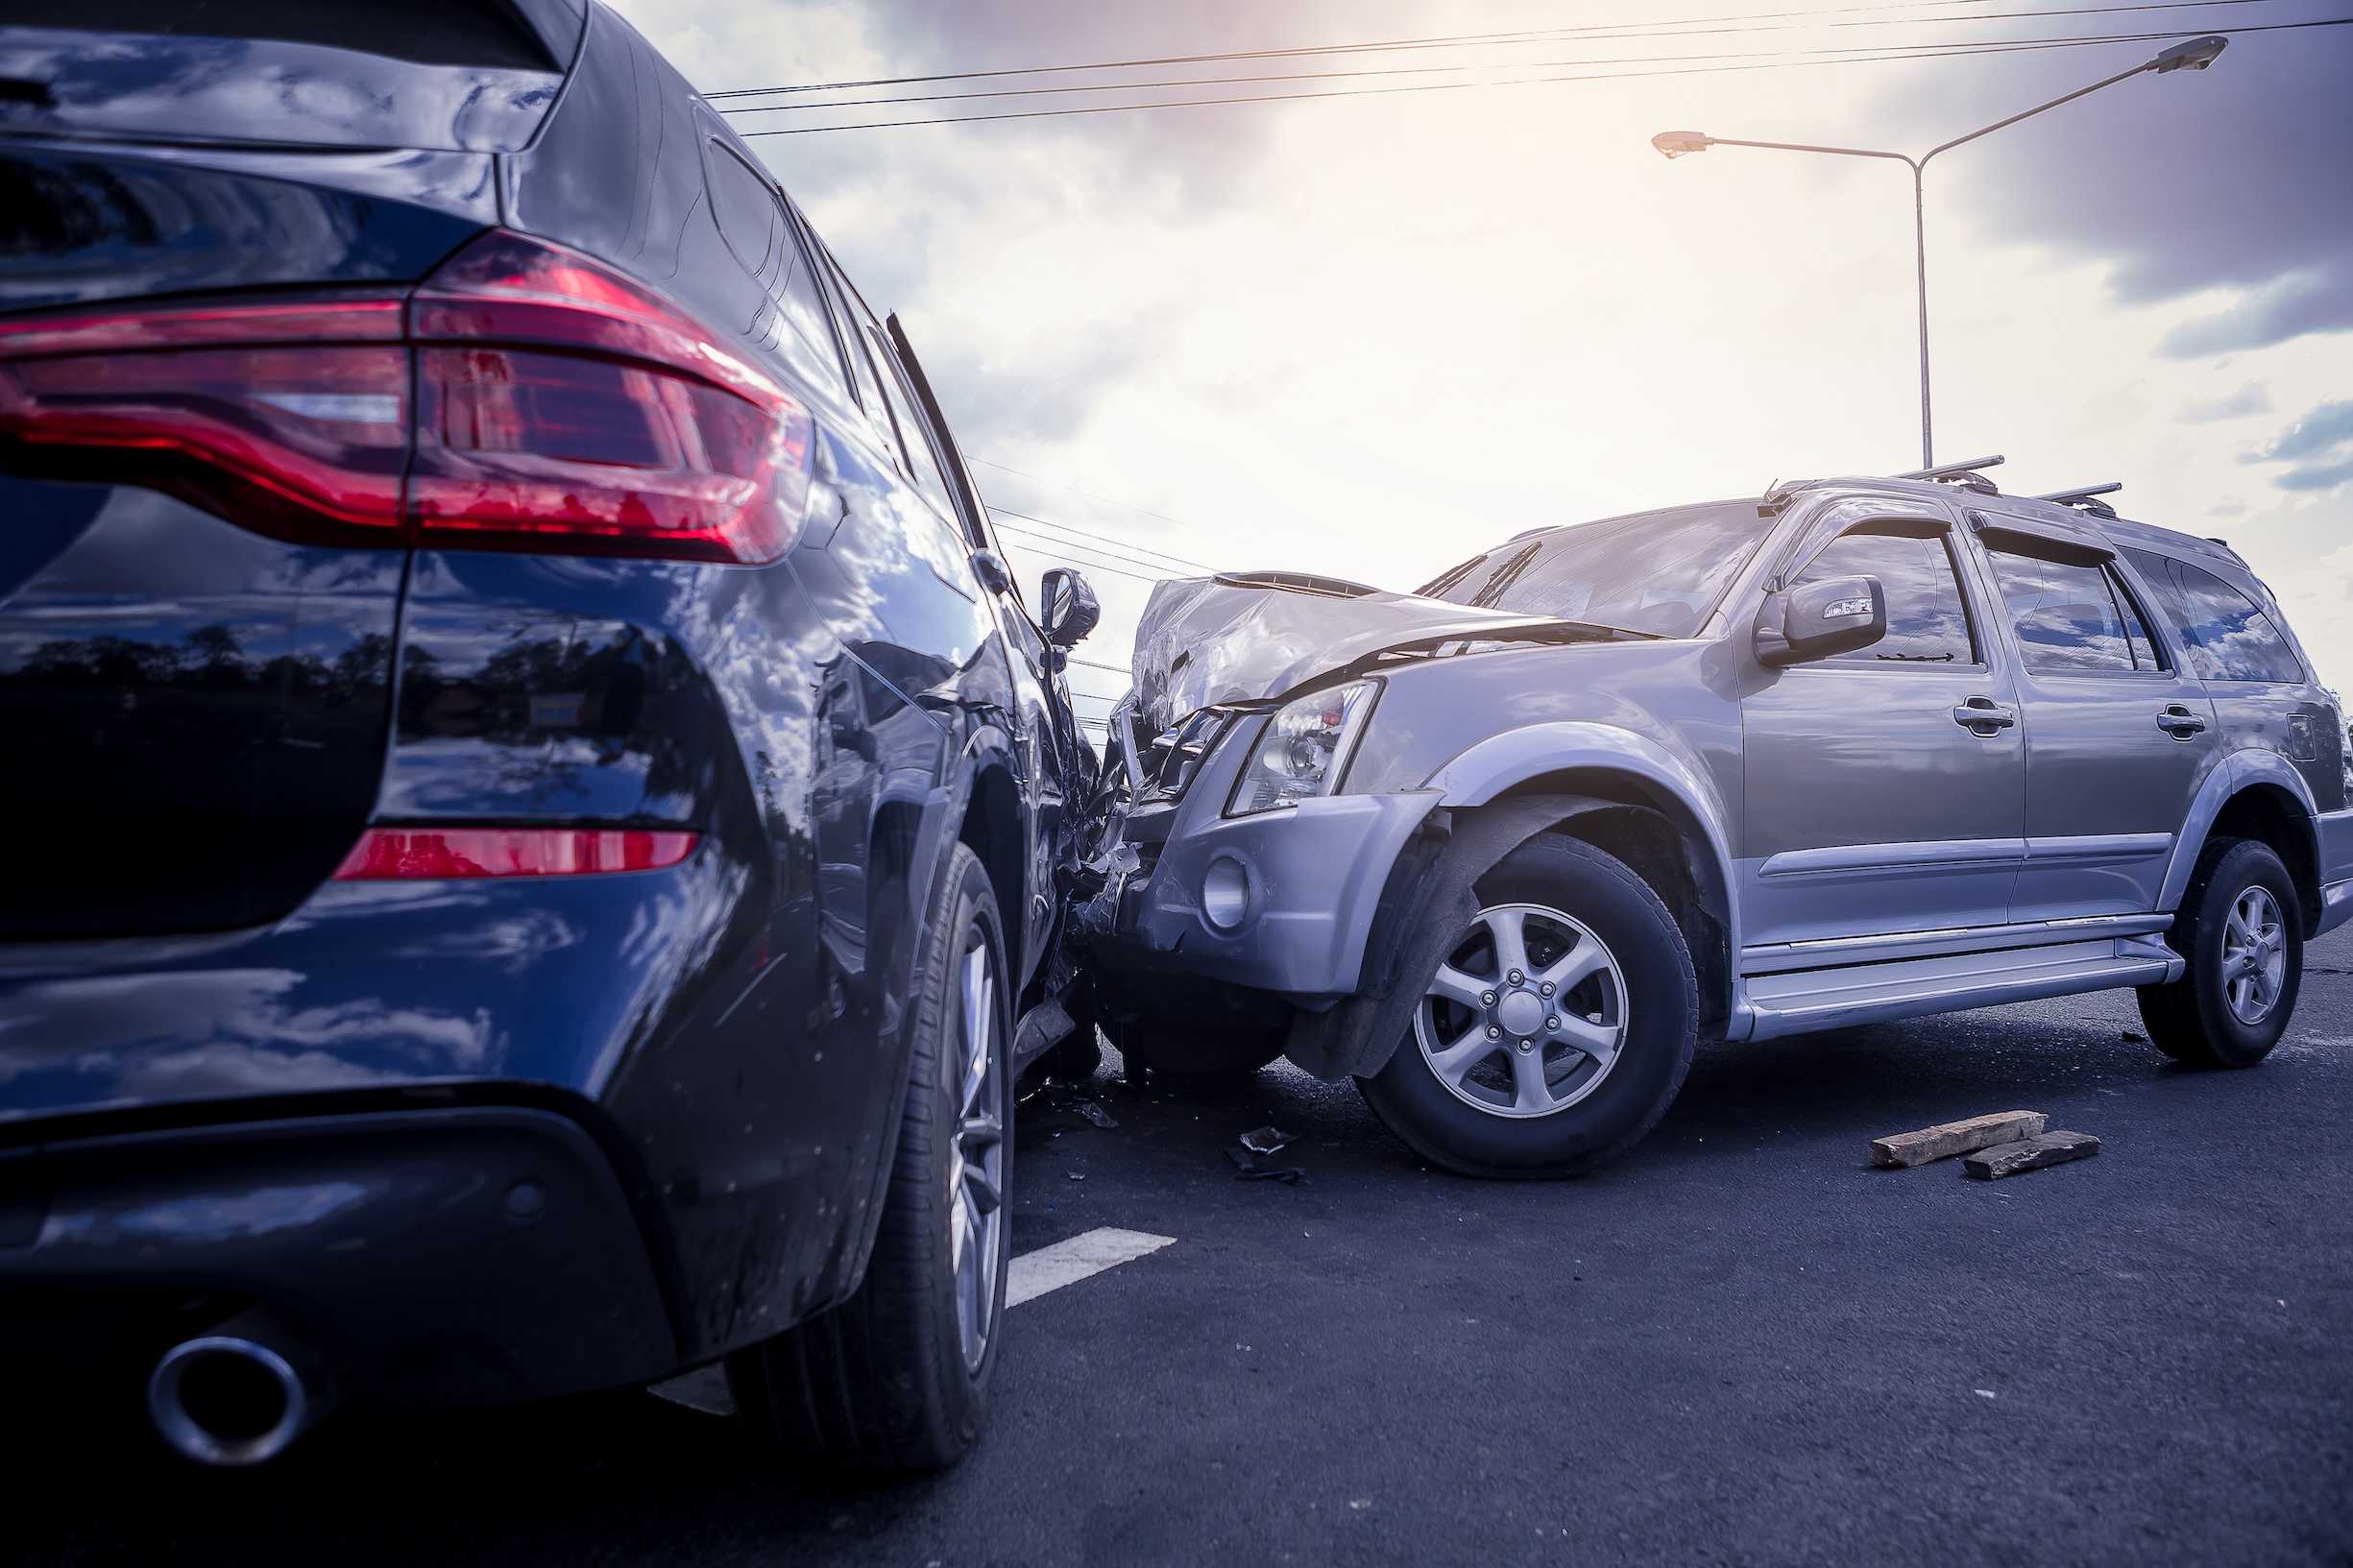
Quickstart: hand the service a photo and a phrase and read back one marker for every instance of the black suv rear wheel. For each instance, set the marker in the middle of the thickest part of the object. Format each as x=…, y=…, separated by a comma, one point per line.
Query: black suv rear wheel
x=1558, y=1029
x=2241, y=939
x=897, y=1377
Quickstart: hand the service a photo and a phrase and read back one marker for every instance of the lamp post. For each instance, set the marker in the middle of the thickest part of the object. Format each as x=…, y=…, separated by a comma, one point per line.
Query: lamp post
x=2193, y=55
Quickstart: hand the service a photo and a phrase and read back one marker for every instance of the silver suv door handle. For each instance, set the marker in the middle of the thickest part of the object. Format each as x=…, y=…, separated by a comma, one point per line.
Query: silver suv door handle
x=2179, y=722
x=1984, y=716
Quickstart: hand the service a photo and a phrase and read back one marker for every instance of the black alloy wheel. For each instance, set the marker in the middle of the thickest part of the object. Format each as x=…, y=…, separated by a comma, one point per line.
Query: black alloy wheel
x=2241, y=936
x=897, y=1378
x=1558, y=1029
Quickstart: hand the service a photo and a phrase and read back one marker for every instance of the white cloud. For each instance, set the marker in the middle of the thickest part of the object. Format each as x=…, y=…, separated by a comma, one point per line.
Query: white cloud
x=1371, y=335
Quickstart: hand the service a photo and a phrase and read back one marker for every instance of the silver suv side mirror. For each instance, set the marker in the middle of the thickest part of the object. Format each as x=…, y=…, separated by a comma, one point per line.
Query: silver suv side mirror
x=1068, y=608
x=1816, y=620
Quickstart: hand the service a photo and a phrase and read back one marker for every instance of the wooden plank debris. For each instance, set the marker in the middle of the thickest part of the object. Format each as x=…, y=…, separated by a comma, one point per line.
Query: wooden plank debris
x=1942, y=1142
x=2030, y=1154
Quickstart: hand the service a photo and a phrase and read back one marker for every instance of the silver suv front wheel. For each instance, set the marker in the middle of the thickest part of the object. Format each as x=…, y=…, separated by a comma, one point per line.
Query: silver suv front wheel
x=1527, y=1016
x=1557, y=1030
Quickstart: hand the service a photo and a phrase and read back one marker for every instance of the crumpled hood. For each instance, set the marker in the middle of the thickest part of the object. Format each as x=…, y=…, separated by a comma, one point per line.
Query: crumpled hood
x=1213, y=639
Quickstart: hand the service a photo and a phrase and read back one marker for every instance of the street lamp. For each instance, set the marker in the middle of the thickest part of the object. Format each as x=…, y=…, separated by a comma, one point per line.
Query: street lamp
x=2193, y=55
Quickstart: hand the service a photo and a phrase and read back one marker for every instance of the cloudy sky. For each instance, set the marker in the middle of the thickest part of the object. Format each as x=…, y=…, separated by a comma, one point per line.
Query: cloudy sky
x=1373, y=333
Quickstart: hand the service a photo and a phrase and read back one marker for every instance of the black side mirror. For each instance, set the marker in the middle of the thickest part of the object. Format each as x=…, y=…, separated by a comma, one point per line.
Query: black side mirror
x=1819, y=619
x=1068, y=607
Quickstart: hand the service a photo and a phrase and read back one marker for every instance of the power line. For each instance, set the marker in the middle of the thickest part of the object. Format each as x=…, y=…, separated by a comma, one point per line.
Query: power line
x=1085, y=555
x=1920, y=53
x=1424, y=70
x=1120, y=544
x=1048, y=544
x=1112, y=547
x=1125, y=506
x=1602, y=32
x=1116, y=571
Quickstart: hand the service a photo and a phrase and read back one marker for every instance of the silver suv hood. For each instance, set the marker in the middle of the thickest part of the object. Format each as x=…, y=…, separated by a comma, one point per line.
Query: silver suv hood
x=1245, y=637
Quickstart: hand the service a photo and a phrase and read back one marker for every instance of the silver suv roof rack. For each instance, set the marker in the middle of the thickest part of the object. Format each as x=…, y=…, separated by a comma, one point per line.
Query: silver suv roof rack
x=2081, y=499
x=1963, y=474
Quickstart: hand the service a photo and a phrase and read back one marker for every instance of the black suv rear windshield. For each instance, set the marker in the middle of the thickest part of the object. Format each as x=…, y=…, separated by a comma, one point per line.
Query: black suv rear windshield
x=422, y=32
x=1659, y=572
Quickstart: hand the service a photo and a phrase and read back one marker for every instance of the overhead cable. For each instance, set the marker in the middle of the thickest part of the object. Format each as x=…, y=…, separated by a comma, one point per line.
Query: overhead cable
x=1599, y=32
x=1081, y=533
x=1916, y=53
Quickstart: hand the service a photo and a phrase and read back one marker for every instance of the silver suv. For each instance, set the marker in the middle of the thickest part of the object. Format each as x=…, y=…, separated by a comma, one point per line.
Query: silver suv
x=1504, y=850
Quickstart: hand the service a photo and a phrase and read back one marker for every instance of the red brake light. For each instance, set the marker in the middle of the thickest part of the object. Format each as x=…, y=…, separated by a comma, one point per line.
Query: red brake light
x=557, y=407
x=406, y=853
x=282, y=416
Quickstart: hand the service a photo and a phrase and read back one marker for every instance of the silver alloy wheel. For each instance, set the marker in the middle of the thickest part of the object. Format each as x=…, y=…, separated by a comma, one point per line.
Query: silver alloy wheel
x=1526, y=1016
x=2254, y=955
x=976, y=1169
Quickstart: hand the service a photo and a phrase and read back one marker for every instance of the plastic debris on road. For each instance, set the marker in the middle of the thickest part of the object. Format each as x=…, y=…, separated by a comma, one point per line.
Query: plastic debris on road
x=1248, y=1169
x=1266, y=1139
x=1095, y=1113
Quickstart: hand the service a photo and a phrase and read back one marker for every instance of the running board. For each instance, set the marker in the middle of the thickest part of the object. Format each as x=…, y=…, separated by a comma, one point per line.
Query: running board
x=1831, y=999
x=1838, y=951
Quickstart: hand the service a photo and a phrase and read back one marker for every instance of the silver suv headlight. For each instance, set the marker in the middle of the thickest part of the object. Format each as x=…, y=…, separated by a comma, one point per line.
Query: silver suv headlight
x=1304, y=749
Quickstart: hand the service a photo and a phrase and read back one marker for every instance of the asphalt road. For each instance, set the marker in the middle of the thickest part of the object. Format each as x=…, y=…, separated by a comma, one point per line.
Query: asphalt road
x=1740, y=1344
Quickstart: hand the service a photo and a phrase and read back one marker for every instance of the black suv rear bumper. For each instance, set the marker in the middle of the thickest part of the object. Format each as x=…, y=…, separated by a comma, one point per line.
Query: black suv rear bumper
x=438, y=1258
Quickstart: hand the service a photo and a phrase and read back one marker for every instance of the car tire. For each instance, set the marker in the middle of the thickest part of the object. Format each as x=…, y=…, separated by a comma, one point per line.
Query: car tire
x=2241, y=936
x=1207, y=1051
x=897, y=1378
x=1546, y=1103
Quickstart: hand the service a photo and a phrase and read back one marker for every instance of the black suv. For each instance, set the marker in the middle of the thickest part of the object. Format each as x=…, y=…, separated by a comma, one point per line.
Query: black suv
x=544, y=810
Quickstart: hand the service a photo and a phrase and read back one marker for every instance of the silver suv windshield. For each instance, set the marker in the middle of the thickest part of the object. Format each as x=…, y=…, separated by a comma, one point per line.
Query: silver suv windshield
x=1657, y=572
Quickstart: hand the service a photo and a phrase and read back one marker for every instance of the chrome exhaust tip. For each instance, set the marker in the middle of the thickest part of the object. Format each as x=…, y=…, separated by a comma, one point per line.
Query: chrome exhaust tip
x=238, y=1395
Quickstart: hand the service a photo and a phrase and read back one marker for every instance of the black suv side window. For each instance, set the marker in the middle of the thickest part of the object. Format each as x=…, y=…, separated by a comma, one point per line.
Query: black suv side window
x=1927, y=621
x=752, y=221
x=2227, y=638
x=2071, y=617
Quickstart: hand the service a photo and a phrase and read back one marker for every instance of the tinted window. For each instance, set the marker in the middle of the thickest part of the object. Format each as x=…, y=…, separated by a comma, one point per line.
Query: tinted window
x=2071, y=617
x=423, y=31
x=2228, y=639
x=1927, y=621
x=751, y=218
x=1658, y=573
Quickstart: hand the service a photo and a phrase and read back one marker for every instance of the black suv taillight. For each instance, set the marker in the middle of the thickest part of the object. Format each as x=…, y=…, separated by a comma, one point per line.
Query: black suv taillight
x=524, y=397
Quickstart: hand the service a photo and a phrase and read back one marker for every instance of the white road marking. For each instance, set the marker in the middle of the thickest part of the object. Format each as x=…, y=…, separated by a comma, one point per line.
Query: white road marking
x=1067, y=1262
x=1026, y=1278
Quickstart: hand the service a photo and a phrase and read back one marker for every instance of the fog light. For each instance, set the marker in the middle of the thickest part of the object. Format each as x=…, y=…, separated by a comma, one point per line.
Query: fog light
x=1225, y=893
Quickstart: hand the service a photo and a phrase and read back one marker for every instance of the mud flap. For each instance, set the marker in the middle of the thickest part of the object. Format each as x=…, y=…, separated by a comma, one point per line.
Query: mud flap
x=1354, y=1039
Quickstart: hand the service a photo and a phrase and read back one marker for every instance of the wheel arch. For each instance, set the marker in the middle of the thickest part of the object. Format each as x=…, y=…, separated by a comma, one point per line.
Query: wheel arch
x=1621, y=792
x=992, y=829
x=1650, y=785
x=2253, y=795
x=2268, y=812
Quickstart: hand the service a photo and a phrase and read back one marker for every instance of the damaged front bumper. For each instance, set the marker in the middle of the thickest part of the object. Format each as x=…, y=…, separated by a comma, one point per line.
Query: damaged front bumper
x=1280, y=901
